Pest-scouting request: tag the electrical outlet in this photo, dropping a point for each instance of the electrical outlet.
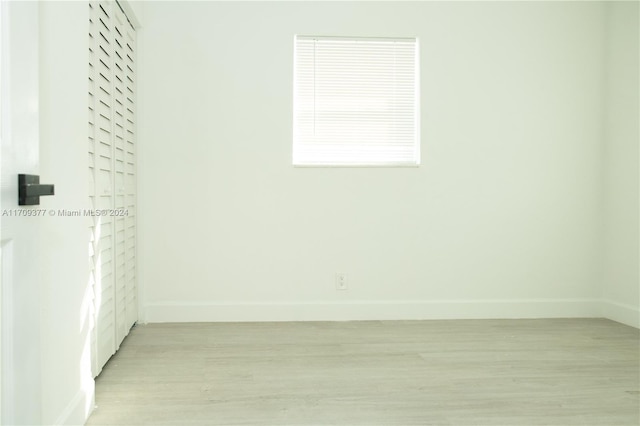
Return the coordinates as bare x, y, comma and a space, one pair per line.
341, 281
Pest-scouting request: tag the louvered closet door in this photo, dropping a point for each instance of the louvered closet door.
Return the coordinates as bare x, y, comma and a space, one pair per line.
131, 290
101, 96
119, 202
112, 173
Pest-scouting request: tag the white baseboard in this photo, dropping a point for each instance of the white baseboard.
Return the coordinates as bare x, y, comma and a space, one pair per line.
75, 412
370, 310
621, 312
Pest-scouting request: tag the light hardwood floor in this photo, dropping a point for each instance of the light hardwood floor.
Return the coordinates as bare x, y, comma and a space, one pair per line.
487, 372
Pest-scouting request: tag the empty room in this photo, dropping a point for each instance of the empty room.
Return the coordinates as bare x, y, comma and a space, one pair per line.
320, 213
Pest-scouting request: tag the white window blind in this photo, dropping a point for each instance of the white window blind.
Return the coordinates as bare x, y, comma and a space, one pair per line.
356, 102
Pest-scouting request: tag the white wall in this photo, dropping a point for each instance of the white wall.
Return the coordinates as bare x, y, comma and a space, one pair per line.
621, 272
67, 384
21, 259
502, 219
44, 263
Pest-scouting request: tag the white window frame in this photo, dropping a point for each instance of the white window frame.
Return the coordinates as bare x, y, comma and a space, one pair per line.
363, 147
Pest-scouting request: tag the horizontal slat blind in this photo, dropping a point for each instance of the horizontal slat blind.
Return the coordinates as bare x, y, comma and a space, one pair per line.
356, 101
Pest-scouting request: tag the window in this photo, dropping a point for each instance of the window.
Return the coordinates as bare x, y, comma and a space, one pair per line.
356, 102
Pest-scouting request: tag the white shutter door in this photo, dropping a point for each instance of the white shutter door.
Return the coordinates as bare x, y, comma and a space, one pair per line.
104, 302
124, 185
119, 202
93, 129
131, 297
93, 244
110, 151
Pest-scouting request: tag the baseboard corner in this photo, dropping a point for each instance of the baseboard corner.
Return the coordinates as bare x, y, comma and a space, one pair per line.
621, 312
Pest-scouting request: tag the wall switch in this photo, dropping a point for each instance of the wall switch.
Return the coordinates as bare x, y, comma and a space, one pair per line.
341, 281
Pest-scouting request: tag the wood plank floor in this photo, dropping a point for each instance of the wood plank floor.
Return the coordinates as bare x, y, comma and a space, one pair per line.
487, 372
